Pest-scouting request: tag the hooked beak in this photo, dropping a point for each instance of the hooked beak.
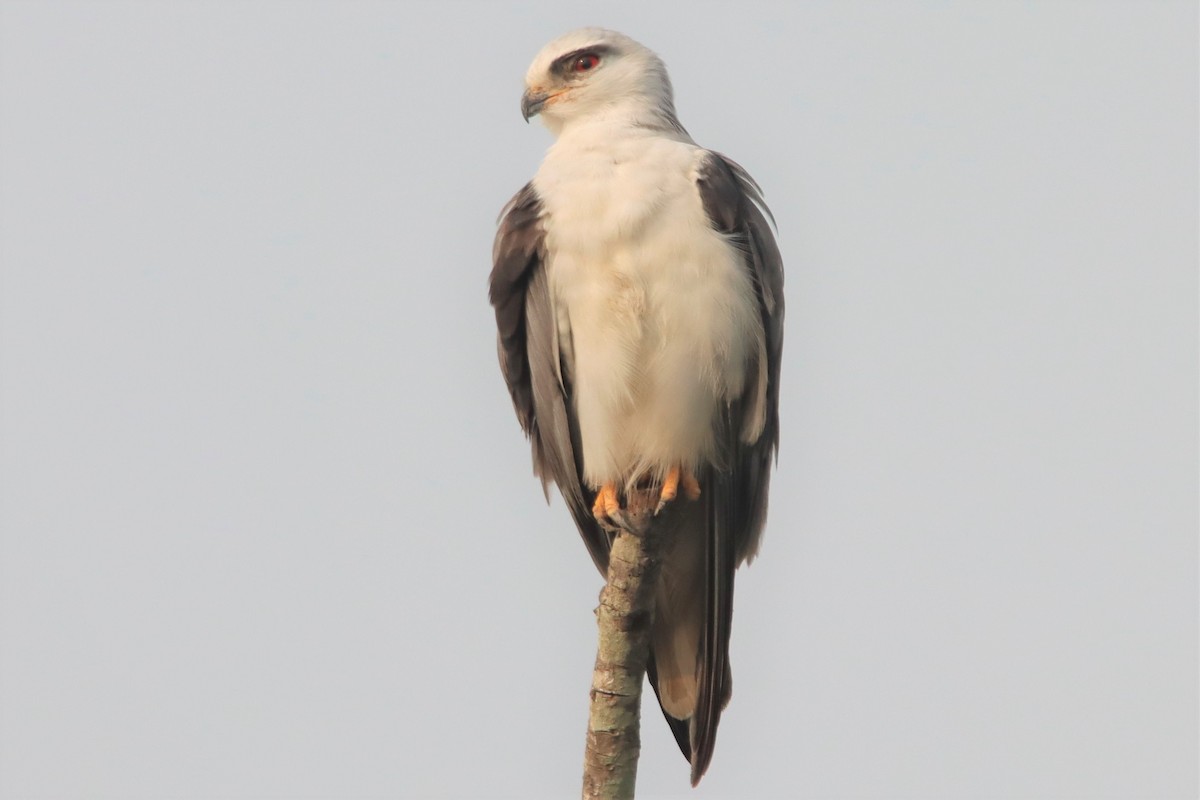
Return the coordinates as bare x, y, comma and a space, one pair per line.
532, 102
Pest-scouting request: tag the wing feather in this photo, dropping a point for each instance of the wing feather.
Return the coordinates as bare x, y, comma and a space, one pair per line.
530, 361
734, 204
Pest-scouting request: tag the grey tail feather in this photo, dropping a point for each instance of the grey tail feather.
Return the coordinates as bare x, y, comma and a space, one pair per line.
679, 727
720, 560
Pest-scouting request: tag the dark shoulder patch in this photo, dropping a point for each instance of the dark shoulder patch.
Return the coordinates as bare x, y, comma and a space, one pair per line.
721, 193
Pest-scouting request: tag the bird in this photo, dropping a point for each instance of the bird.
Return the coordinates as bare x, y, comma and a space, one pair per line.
638, 292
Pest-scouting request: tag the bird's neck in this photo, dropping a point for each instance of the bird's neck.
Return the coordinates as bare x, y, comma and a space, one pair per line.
618, 120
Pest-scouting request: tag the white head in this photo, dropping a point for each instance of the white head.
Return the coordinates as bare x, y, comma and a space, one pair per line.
592, 73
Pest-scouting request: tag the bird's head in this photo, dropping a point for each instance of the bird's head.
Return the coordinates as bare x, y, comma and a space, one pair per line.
591, 73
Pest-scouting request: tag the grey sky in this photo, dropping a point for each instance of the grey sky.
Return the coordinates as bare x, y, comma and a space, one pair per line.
267, 524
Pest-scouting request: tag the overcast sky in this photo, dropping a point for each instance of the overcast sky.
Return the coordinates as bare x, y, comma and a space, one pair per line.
267, 522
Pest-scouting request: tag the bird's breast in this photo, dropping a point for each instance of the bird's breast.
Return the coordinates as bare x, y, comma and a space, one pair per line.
655, 309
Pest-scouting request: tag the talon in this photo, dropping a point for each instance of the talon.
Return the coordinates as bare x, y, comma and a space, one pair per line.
674, 479
607, 506
670, 487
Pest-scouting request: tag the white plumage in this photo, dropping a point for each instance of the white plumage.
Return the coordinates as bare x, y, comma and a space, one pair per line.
660, 302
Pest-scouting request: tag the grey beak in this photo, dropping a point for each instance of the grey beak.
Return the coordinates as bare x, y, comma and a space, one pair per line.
532, 102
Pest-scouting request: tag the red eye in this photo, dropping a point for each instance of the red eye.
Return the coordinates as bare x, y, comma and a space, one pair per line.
585, 62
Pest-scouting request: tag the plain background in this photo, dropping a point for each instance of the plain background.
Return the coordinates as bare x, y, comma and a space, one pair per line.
268, 524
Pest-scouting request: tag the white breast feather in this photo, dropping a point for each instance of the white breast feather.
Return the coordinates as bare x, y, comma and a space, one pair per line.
656, 310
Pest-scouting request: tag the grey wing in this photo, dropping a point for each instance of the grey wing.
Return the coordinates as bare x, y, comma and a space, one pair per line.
735, 502
734, 204
519, 291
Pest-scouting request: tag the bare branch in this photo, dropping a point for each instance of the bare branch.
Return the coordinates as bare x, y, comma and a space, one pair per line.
625, 617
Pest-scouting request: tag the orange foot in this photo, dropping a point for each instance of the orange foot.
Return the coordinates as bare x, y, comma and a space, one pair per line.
677, 477
607, 506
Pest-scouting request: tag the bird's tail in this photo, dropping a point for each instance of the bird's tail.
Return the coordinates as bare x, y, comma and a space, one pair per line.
689, 663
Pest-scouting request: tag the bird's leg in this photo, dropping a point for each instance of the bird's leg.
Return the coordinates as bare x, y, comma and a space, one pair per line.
607, 506
676, 478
